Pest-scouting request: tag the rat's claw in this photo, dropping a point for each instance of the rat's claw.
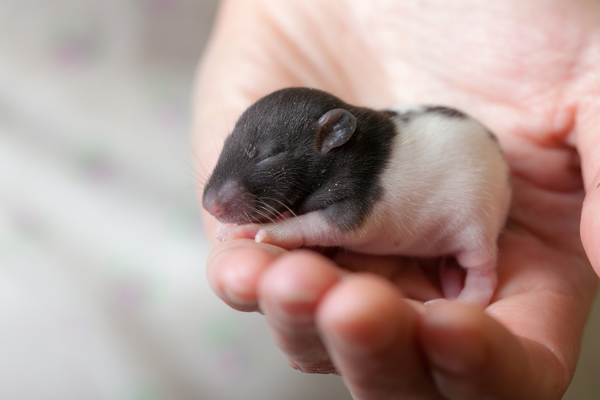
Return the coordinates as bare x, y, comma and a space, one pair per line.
223, 227
260, 236
238, 232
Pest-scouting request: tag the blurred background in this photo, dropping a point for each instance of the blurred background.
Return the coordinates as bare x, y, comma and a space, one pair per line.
103, 292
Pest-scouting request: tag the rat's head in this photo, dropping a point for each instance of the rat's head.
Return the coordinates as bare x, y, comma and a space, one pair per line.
275, 155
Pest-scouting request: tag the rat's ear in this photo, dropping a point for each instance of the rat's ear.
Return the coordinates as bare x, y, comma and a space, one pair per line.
334, 129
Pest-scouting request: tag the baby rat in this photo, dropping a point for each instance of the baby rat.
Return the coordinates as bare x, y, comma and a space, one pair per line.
303, 168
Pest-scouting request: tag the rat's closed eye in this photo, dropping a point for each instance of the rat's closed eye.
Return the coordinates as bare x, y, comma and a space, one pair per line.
255, 152
271, 158
268, 155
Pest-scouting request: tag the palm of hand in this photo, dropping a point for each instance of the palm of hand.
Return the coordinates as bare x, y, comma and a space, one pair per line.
525, 72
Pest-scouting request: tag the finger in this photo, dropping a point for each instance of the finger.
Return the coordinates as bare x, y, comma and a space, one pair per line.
588, 145
413, 278
369, 331
473, 357
590, 225
289, 295
235, 268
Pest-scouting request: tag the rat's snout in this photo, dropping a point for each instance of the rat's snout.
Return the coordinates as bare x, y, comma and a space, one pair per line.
227, 203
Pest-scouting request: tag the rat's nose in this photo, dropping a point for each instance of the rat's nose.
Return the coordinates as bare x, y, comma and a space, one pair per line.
226, 203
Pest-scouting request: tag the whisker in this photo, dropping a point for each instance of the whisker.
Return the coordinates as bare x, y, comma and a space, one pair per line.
271, 208
253, 197
275, 211
202, 167
266, 216
249, 218
283, 204
258, 221
199, 180
269, 212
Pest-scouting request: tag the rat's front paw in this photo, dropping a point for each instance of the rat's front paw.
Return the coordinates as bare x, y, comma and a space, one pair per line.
248, 231
266, 233
259, 233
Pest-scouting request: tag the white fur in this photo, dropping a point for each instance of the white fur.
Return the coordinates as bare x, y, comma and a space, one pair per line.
446, 191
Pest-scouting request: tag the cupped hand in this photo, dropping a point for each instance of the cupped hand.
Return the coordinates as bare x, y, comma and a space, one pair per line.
527, 70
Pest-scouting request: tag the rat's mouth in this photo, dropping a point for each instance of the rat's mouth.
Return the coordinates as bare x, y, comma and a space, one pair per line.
268, 210
264, 218
234, 204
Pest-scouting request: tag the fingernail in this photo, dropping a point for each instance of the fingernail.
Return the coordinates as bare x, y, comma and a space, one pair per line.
434, 302
233, 296
237, 285
452, 351
365, 330
292, 302
291, 314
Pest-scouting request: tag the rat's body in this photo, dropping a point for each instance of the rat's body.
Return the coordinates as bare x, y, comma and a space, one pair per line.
412, 181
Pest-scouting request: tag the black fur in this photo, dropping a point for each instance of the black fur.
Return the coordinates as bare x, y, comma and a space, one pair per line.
453, 113
273, 153
447, 111
491, 135
404, 117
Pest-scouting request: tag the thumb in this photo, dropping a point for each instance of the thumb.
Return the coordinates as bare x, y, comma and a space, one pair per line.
590, 224
588, 144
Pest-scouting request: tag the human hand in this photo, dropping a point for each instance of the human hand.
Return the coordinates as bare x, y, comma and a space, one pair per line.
526, 70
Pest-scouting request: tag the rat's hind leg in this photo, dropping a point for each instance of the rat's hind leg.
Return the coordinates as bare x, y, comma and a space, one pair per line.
481, 278
480, 285
451, 278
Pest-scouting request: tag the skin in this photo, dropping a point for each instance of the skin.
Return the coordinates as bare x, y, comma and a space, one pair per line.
527, 70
